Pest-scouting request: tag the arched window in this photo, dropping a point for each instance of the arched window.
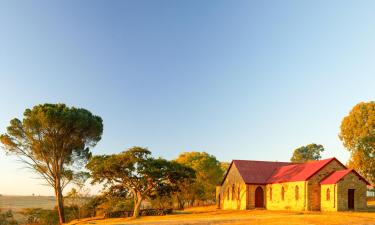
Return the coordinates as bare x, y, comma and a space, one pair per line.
238, 193
296, 192
233, 192
328, 193
282, 193
270, 194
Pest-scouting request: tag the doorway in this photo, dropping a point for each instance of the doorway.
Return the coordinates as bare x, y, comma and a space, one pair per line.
350, 198
259, 197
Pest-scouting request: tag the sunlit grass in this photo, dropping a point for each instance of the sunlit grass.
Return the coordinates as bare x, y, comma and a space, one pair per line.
210, 215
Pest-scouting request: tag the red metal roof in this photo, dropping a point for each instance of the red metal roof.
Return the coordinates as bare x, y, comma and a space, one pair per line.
265, 172
256, 172
336, 176
298, 172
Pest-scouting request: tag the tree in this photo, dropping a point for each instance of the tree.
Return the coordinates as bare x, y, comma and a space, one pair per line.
224, 167
139, 173
209, 174
357, 133
307, 153
52, 140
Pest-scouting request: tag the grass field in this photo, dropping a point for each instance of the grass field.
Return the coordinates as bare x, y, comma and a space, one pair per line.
17, 203
210, 215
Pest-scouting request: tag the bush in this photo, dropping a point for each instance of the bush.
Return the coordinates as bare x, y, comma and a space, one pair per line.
7, 218
46, 216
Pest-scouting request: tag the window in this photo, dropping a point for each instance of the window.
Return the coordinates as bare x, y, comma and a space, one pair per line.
270, 194
238, 193
233, 192
282, 193
296, 192
228, 194
328, 193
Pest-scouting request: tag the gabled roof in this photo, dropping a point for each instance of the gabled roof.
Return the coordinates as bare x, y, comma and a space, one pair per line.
265, 172
298, 172
256, 172
336, 176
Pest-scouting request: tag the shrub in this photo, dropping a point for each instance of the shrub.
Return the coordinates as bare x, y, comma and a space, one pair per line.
7, 218
46, 216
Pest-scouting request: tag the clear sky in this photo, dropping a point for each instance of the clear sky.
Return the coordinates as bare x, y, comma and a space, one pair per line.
237, 79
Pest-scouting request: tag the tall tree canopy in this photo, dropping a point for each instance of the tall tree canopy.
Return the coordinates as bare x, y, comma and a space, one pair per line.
307, 153
209, 174
139, 173
358, 136
52, 139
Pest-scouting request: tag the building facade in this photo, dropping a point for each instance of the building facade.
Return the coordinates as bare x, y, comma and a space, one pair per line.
325, 185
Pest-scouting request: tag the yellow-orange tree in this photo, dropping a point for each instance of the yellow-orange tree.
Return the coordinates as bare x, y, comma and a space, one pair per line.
358, 136
209, 174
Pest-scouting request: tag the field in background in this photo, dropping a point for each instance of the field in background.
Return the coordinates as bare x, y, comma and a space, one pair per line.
17, 203
210, 215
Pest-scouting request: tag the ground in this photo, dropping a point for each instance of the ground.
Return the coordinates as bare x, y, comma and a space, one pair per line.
210, 215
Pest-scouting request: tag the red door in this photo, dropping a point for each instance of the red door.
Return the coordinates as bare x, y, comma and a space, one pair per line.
259, 198
351, 199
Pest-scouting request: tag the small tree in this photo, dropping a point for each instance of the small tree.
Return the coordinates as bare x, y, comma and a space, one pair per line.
209, 174
50, 140
307, 153
357, 133
135, 170
79, 195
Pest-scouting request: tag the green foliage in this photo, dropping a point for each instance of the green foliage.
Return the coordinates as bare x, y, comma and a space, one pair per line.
46, 216
79, 195
91, 206
52, 139
117, 198
139, 173
307, 153
7, 218
224, 167
357, 133
209, 174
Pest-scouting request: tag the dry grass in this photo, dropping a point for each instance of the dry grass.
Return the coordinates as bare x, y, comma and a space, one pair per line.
210, 215
18, 203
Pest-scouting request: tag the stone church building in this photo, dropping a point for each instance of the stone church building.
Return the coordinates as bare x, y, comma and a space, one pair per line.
325, 185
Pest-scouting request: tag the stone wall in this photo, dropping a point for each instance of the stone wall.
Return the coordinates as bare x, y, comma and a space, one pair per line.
351, 181
313, 190
293, 199
233, 191
328, 201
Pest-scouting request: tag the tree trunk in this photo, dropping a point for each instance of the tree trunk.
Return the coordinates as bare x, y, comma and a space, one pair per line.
137, 203
180, 203
59, 200
137, 208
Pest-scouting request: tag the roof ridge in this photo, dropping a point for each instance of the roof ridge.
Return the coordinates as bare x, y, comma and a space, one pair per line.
245, 160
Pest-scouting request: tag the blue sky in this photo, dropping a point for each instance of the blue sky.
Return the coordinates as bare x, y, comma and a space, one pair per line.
237, 79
